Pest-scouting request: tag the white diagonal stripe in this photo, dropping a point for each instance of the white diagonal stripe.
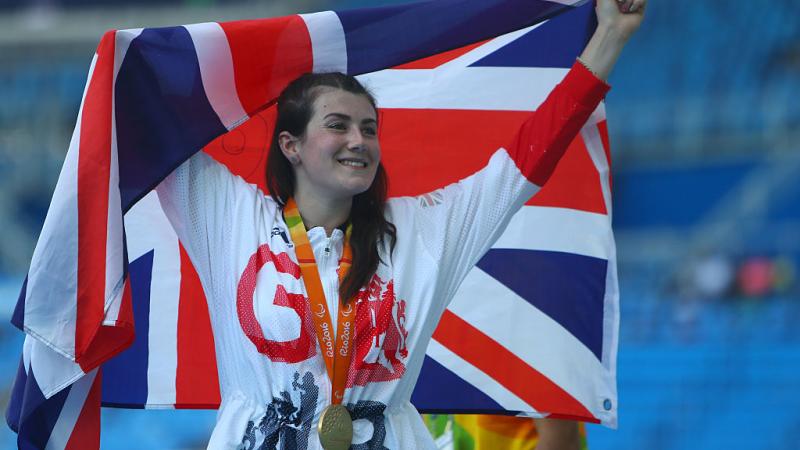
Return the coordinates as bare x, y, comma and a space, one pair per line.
476, 377
558, 230
216, 70
478, 53
454, 85
472, 88
53, 372
533, 336
70, 412
327, 41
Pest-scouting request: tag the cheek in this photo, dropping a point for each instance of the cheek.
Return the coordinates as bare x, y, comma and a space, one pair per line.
320, 151
376, 153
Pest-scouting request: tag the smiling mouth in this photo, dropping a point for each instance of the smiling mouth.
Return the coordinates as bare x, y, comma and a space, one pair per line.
357, 163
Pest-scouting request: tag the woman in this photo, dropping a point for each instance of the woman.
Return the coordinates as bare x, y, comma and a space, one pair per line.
262, 259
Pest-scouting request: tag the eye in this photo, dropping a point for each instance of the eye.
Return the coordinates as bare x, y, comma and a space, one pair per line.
336, 125
369, 131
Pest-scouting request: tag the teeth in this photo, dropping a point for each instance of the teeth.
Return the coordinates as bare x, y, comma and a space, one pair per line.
348, 162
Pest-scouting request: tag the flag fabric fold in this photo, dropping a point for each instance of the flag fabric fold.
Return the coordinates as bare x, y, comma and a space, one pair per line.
70, 419
453, 79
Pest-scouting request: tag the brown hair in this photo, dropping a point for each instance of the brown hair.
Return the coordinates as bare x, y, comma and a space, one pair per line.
370, 227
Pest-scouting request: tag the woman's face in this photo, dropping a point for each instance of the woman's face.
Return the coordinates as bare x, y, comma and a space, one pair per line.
339, 154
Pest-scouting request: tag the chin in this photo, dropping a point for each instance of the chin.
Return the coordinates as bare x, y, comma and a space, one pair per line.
358, 185
360, 189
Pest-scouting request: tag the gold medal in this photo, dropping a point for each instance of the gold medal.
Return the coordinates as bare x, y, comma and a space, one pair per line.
335, 428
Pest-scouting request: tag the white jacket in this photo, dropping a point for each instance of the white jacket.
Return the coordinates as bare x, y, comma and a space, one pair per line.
273, 380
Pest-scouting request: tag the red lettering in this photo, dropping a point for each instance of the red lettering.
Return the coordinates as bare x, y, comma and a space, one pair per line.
380, 335
296, 350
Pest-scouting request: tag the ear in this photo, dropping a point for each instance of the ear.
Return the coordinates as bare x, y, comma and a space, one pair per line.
290, 146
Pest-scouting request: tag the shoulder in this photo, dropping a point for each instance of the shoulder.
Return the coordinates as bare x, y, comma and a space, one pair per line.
402, 206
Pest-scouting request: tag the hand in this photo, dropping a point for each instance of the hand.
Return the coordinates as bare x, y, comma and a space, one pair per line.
616, 22
622, 17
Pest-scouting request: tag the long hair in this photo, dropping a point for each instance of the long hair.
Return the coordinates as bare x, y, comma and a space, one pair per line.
370, 227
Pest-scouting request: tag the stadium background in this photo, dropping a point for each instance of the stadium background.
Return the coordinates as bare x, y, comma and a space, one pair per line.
705, 131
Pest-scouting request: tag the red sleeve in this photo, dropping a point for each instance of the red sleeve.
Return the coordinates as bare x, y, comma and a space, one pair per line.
545, 136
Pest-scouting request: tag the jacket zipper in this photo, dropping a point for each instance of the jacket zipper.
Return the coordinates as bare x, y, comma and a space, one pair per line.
334, 304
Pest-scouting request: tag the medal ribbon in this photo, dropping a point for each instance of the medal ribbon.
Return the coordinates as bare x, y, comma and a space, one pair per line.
337, 358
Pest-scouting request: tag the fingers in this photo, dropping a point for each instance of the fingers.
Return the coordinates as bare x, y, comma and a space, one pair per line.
630, 6
634, 6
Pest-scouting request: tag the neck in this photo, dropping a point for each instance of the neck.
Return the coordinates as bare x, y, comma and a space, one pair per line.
322, 212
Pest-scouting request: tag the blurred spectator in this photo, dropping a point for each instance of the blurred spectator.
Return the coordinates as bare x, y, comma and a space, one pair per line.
712, 276
755, 277
762, 276
708, 276
784, 272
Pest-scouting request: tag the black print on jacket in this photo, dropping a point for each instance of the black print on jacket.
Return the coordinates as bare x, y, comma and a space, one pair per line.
372, 411
285, 424
278, 232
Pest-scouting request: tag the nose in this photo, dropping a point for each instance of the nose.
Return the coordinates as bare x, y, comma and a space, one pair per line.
358, 148
356, 141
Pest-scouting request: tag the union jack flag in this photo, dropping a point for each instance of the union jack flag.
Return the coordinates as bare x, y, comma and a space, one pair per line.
533, 330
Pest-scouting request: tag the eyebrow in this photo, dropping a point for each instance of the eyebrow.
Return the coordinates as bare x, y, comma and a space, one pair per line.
346, 117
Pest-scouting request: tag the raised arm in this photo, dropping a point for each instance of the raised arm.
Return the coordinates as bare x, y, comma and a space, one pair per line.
616, 22
460, 222
545, 136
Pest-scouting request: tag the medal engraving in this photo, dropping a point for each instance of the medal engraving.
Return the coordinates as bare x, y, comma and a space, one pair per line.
335, 428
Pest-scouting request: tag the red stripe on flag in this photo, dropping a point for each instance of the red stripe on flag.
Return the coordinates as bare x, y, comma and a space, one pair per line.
424, 150
575, 183
244, 149
112, 339
125, 316
434, 61
86, 432
267, 55
506, 368
93, 177
196, 379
